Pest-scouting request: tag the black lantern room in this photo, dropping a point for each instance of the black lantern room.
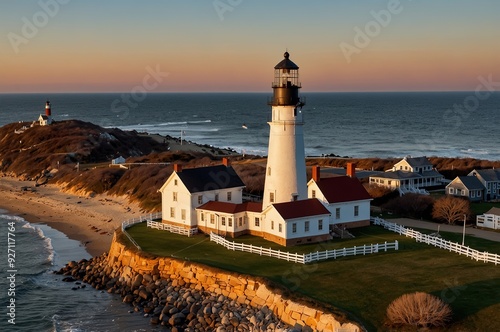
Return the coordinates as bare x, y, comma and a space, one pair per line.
286, 84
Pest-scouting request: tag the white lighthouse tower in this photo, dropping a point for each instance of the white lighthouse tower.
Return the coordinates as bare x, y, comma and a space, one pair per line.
286, 167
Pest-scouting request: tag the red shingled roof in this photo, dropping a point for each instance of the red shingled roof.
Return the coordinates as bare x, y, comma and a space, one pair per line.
339, 189
227, 207
299, 209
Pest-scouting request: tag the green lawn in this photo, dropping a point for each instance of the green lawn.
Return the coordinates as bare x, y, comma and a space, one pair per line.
363, 286
482, 207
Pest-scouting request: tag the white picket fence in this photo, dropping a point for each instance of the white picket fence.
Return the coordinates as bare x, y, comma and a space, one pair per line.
127, 223
354, 251
438, 242
303, 258
172, 228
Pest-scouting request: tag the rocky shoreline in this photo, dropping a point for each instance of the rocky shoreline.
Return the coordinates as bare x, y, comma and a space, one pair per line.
173, 303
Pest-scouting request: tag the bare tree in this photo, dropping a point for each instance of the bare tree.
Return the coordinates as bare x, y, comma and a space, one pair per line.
450, 209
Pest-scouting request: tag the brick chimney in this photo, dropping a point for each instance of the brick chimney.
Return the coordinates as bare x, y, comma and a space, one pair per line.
226, 162
177, 168
351, 170
316, 173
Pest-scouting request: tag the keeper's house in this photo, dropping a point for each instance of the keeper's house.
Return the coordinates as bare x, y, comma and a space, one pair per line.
185, 190
344, 196
210, 199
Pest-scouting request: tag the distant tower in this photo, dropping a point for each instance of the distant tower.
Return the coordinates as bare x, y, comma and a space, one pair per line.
286, 167
47, 109
46, 119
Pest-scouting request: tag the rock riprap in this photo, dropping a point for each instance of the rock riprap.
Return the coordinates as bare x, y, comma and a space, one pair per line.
188, 296
185, 308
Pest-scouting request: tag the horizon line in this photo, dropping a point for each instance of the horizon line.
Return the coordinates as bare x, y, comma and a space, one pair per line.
234, 92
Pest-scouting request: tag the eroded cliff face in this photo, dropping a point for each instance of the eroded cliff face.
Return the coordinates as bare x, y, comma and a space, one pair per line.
191, 295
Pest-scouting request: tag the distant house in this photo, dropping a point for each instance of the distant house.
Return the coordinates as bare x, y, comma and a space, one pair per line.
490, 178
44, 120
344, 196
466, 186
410, 175
490, 219
118, 160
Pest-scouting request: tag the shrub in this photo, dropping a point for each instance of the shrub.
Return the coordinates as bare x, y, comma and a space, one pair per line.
420, 310
411, 205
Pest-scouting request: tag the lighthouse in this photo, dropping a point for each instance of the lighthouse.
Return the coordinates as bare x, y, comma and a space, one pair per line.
47, 109
286, 168
46, 119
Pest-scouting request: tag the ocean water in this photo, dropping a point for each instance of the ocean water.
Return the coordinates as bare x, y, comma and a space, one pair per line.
42, 301
447, 124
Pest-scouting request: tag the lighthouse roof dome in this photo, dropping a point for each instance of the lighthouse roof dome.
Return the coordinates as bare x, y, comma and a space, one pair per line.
286, 63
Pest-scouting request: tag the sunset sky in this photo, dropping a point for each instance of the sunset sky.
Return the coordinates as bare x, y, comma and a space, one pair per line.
233, 45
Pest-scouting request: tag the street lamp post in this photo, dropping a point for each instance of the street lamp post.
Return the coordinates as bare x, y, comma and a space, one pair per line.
463, 236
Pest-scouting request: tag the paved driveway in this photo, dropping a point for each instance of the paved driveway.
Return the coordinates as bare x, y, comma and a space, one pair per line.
412, 223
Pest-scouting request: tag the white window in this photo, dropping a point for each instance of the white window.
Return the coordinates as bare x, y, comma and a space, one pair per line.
202, 215
306, 226
230, 222
257, 222
320, 225
223, 221
478, 194
280, 228
294, 227
183, 214
462, 192
175, 182
174, 196
200, 199
271, 197
451, 191
313, 194
229, 196
212, 219
472, 194
172, 212
272, 224
356, 210
240, 221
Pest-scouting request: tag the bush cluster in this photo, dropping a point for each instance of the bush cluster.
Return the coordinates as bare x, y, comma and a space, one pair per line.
419, 310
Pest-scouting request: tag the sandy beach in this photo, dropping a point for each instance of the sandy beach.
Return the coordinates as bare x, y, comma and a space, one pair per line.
90, 220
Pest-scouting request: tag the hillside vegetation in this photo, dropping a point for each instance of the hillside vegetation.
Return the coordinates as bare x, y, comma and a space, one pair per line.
76, 155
